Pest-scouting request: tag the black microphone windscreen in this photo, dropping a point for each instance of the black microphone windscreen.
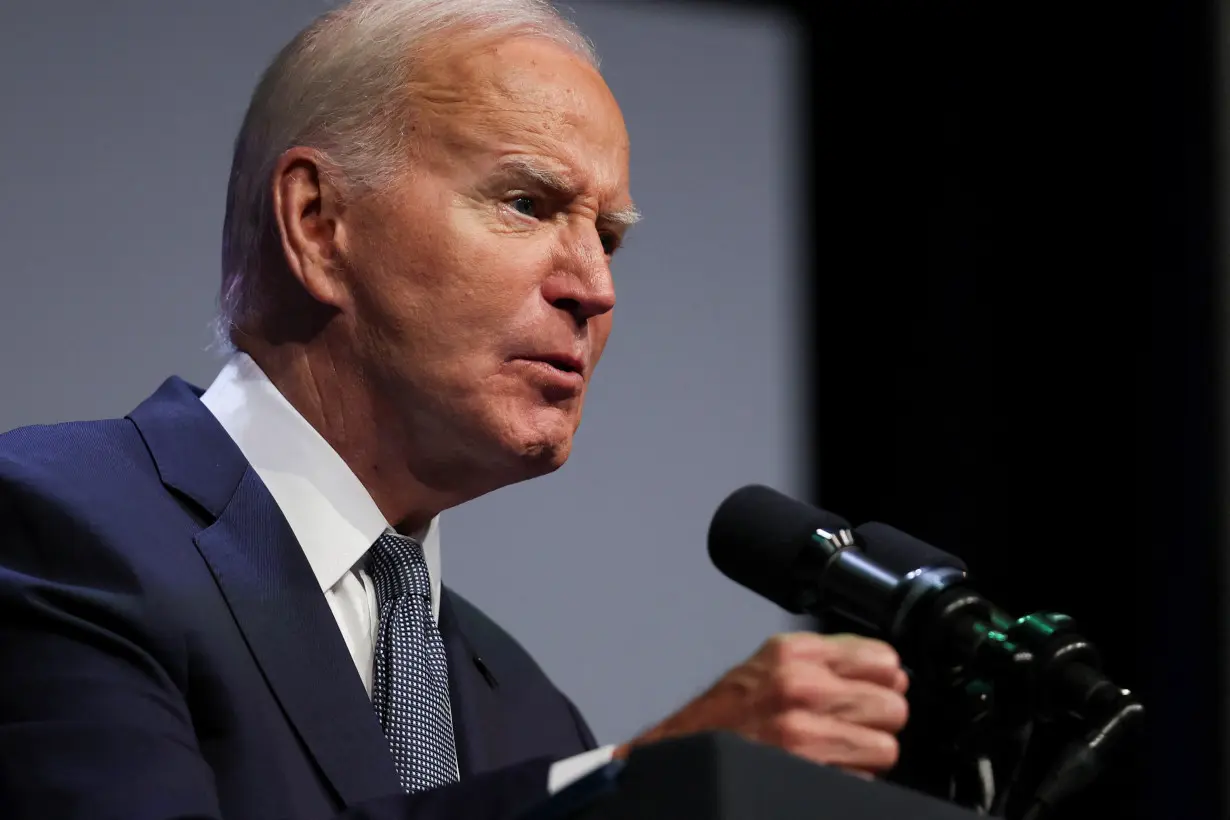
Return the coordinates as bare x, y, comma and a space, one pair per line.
758, 538
901, 552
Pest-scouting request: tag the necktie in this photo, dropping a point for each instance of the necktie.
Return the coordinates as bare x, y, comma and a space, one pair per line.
410, 686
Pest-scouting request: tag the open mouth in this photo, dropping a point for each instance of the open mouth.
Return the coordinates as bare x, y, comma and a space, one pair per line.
565, 364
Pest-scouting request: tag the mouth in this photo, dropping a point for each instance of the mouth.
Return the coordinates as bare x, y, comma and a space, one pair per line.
563, 362
561, 376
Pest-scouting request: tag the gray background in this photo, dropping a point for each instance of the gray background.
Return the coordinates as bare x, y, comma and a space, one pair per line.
117, 127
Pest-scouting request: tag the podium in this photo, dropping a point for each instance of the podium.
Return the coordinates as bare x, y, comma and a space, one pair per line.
720, 776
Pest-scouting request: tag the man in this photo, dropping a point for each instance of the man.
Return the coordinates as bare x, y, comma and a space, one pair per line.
228, 604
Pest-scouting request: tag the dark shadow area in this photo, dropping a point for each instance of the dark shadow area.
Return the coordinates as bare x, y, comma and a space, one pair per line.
1013, 329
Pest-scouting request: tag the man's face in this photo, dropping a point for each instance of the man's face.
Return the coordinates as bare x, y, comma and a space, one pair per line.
481, 283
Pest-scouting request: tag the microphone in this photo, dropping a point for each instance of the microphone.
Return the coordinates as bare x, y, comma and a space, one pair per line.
902, 553
958, 625
807, 559
798, 556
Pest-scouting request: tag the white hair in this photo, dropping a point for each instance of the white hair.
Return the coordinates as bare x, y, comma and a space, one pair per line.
340, 87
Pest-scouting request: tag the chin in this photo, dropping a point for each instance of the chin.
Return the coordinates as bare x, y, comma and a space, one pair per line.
544, 446
544, 458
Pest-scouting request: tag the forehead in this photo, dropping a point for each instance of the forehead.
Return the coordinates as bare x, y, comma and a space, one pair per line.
522, 95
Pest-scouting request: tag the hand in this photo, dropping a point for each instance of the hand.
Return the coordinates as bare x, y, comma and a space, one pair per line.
833, 699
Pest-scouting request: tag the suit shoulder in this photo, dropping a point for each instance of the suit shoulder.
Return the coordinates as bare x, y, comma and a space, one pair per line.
75, 450
75, 475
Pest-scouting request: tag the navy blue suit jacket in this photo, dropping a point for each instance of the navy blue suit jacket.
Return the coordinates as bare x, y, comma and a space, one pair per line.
165, 650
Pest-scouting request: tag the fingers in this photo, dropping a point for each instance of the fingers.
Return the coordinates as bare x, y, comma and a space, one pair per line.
828, 740
852, 656
848, 656
868, 705
837, 700
799, 686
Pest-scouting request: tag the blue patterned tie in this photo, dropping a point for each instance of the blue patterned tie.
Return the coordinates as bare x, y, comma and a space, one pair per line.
410, 690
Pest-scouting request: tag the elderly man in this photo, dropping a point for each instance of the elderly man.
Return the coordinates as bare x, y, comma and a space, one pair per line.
228, 603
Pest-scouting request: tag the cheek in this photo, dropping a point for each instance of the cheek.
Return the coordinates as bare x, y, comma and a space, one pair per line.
448, 283
436, 278
398, 264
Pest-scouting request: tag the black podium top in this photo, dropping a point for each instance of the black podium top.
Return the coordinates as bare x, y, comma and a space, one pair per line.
719, 776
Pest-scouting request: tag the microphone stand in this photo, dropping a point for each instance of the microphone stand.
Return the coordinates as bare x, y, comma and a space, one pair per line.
1083, 761
973, 722
1070, 686
1030, 672
1001, 680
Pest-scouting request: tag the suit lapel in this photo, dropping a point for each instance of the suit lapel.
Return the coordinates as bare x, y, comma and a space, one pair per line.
473, 692
292, 634
275, 599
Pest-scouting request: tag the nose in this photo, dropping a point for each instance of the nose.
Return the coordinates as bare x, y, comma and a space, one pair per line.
580, 283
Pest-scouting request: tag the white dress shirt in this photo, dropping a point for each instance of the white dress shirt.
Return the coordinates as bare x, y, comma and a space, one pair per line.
331, 514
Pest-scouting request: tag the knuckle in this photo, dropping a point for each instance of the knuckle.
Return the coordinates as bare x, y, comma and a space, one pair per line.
885, 651
771, 651
802, 685
897, 710
876, 650
799, 695
887, 750
790, 730
781, 648
843, 641
877, 645
777, 680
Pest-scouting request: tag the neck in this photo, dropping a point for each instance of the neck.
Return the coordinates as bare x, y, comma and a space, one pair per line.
329, 391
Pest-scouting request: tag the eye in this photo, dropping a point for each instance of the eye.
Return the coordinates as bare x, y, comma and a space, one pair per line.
610, 242
525, 206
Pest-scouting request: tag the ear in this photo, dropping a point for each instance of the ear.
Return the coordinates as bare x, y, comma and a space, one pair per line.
308, 209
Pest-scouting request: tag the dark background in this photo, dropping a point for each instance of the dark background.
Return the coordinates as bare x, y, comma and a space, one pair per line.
1013, 317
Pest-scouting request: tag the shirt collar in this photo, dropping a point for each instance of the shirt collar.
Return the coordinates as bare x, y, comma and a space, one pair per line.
329, 510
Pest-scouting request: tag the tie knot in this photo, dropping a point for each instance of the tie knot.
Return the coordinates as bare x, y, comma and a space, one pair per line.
398, 568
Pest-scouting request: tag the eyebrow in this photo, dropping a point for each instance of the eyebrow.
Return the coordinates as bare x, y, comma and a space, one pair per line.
624, 217
548, 178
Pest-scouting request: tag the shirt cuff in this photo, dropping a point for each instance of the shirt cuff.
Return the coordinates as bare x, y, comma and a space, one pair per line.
564, 772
